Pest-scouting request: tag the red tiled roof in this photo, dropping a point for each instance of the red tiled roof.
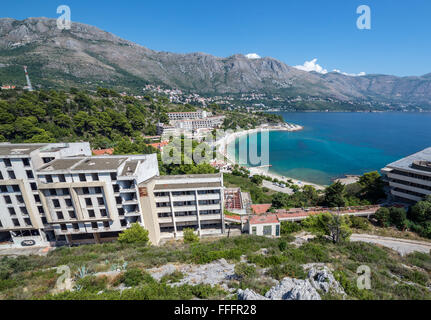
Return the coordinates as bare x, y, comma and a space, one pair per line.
101, 152
260, 208
272, 218
159, 145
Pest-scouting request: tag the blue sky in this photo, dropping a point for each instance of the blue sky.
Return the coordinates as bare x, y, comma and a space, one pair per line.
293, 31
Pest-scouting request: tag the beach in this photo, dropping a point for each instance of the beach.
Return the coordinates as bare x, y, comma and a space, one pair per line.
224, 142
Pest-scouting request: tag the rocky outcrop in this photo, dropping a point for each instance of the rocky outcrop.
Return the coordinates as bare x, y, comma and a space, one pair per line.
319, 279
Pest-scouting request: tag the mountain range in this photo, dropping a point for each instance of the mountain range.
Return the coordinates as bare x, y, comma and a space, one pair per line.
86, 56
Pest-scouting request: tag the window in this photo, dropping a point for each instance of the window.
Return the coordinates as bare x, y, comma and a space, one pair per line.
100, 201
88, 202
68, 202
95, 177
116, 187
29, 174
63, 227
97, 190
26, 162
62, 178
52, 192
72, 214
1, 176
91, 214
37, 198
20, 199
7, 199
56, 203
24, 210
12, 211
48, 178
103, 212
40, 208
44, 221
65, 191
3, 188
85, 190
106, 224
33, 186
16, 188
47, 159
124, 223
7, 162
75, 226
118, 200
267, 230
82, 177
11, 175
60, 215
113, 176
254, 230
94, 225
16, 222
120, 211
277, 230
27, 221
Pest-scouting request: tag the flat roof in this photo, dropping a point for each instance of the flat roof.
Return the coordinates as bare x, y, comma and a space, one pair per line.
190, 176
406, 163
130, 167
264, 219
8, 149
84, 164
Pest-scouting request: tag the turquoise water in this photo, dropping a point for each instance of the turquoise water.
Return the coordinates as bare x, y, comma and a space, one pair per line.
334, 144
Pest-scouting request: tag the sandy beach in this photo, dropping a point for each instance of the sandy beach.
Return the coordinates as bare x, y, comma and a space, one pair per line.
224, 142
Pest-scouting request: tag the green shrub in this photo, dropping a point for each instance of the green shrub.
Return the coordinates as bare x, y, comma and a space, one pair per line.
190, 236
92, 283
175, 276
359, 223
244, 270
135, 234
133, 277
383, 217
288, 227
287, 270
420, 259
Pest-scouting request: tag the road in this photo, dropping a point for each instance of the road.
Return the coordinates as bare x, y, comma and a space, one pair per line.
402, 246
270, 185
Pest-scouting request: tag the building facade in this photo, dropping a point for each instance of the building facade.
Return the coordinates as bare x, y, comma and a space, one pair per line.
179, 202
410, 177
189, 115
59, 193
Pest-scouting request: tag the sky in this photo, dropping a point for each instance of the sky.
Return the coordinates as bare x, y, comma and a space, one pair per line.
293, 31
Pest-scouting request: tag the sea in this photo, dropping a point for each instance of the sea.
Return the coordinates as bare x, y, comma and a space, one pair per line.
335, 144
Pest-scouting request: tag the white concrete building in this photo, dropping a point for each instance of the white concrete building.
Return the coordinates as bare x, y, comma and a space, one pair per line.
264, 225
200, 114
59, 193
410, 177
179, 202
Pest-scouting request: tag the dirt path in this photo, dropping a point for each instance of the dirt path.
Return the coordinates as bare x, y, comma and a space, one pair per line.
402, 246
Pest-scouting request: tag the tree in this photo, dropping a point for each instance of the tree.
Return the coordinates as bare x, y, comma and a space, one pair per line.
279, 200
372, 186
383, 217
421, 211
190, 236
335, 226
135, 234
398, 217
257, 179
334, 195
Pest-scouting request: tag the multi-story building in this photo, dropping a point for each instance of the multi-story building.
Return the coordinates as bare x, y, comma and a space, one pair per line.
59, 193
410, 177
195, 124
200, 114
178, 202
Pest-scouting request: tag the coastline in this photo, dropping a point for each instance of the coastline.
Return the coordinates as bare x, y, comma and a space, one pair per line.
224, 142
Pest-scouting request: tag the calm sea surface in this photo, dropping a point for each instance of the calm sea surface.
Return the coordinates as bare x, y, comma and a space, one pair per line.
334, 144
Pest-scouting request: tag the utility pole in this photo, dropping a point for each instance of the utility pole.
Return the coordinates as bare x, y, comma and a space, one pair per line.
30, 88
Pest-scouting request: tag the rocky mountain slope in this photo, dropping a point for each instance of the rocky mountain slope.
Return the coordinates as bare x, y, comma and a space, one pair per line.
88, 56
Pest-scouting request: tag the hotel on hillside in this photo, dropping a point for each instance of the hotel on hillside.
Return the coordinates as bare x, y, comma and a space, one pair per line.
60, 194
410, 177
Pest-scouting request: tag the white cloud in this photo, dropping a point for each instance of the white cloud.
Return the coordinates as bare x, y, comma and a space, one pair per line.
312, 65
252, 56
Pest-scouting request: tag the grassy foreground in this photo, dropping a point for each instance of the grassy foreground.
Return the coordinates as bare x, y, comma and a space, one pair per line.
392, 276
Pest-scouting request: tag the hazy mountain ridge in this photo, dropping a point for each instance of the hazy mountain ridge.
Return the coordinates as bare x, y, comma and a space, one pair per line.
87, 54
